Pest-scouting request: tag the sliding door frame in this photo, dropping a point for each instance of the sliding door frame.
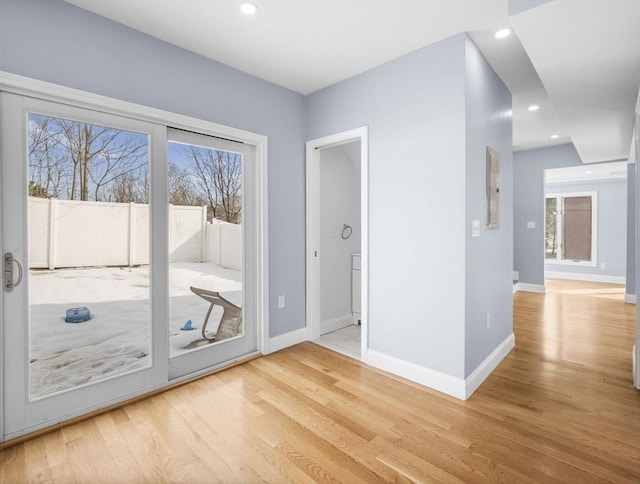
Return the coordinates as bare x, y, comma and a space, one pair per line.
37, 89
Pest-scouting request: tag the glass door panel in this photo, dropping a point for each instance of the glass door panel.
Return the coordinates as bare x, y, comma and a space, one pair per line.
76, 219
207, 310
88, 238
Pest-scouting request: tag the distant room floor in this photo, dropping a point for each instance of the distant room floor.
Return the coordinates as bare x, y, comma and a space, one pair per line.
585, 288
345, 341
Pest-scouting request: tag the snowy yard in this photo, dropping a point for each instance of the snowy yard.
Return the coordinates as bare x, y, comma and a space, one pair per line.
117, 338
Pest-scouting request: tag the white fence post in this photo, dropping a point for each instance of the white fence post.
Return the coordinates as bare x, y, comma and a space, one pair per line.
132, 232
52, 234
204, 233
170, 235
219, 243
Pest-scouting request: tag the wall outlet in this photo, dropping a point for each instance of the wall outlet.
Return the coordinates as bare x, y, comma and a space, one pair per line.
531, 224
280, 302
603, 265
487, 321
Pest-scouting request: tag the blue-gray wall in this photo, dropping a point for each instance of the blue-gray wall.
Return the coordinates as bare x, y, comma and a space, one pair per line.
489, 258
414, 108
431, 114
428, 127
54, 41
528, 205
631, 228
612, 226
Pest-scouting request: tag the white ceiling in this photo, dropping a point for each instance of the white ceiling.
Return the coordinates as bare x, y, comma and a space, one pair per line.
579, 60
616, 170
587, 54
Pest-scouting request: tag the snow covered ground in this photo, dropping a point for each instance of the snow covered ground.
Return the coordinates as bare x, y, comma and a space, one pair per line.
117, 338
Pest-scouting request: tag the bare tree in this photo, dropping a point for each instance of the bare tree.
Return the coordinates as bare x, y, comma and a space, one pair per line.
218, 177
182, 190
82, 161
86, 160
130, 187
47, 162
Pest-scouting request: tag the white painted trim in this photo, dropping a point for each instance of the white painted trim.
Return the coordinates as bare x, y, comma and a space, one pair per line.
285, 340
564, 262
526, 287
262, 290
490, 363
456, 387
312, 233
636, 143
424, 376
2, 293
630, 298
576, 276
634, 365
53, 92
335, 324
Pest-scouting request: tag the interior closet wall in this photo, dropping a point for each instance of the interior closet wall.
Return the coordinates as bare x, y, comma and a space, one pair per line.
340, 206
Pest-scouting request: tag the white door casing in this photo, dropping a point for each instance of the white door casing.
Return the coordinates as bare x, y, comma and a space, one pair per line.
313, 223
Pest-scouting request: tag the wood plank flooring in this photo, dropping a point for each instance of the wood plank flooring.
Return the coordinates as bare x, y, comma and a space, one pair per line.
561, 408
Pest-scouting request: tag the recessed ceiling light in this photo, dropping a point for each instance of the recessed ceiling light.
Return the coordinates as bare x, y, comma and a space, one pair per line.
502, 33
588, 172
555, 136
534, 107
248, 8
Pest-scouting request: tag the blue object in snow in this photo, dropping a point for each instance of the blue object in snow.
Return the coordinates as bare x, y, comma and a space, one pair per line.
77, 315
187, 326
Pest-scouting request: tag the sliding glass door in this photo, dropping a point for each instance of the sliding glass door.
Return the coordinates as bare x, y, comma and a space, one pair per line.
211, 266
130, 258
76, 218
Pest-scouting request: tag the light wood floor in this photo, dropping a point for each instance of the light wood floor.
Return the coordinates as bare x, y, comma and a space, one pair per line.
560, 408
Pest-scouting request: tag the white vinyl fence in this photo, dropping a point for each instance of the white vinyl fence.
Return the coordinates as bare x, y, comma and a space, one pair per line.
65, 233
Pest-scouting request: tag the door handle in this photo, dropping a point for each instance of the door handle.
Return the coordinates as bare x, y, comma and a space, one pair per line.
9, 285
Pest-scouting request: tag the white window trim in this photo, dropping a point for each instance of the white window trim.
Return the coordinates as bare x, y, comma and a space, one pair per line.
594, 229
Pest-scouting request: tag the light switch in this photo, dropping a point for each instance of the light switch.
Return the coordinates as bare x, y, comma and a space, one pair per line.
475, 228
531, 225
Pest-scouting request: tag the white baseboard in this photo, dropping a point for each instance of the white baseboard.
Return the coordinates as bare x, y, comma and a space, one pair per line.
630, 298
578, 276
424, 376
285, 340
335, 323
484, 369
636, 374
455, 387
525, 286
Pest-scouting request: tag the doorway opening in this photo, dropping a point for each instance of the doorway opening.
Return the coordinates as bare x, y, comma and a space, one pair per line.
337, 207
585, 223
